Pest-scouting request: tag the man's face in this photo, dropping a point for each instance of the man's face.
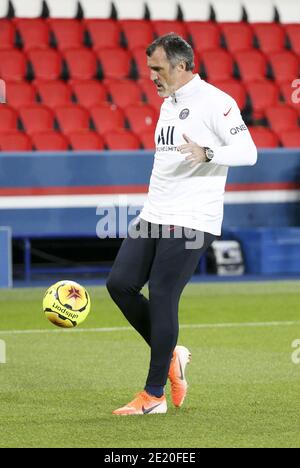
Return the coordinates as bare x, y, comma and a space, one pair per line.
164, 76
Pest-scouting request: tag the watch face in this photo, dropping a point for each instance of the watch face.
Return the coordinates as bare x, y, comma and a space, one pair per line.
209, 153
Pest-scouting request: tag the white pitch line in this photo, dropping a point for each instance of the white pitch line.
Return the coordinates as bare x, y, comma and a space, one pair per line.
183, 326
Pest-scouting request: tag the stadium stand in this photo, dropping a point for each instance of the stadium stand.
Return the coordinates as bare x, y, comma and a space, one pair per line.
89, 57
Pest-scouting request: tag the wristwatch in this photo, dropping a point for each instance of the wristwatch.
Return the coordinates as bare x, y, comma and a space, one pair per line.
209, 154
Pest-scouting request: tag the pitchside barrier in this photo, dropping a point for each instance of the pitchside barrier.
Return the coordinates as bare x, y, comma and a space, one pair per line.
69, 194
5, 258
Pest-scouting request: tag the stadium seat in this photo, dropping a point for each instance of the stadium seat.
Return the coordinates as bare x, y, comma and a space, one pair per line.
116, 63
258, 11
285, 65
121, 140
150, 93
50, 141
34, 33
165, 27
82, 63
27, 9
15, 141
20, 94
137, 33
107, 117
46, 64
72, 118
7, 34
270, 36
281, 118
264, 137
12, 65
289, 11
103, 33
4, 7
290, 138
147, 139
218, 64
205, 36
140, 59
163, 10
141, 117
193, 10
36, 118
68, 33
263, 94
8, 119
293, 32
227, 10
96, 9
252, 65
86, 140
291, 94
130, 9
235, 89
124, 92
238, 36
89, 93
62, 9
54, 93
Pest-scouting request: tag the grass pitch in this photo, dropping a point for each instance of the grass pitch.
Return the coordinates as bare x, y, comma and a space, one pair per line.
59, 387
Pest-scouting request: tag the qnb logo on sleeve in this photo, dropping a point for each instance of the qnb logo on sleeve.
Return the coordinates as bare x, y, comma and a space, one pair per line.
165, 141
236, 130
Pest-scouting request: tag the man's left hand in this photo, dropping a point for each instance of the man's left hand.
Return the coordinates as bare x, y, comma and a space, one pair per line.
196, 153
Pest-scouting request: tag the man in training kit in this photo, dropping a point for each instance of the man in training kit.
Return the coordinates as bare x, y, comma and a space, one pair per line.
199, 134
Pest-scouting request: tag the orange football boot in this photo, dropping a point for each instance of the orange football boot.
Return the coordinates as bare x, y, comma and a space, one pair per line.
181, 357
144, 404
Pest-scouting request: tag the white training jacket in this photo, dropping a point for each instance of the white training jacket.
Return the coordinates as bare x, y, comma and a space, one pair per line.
194, 197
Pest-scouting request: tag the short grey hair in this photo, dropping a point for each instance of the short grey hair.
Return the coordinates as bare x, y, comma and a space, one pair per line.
176, 48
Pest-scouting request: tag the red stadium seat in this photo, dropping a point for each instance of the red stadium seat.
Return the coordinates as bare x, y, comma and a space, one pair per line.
50, 141
218, 64
89, 93
82, 63
7, 34
263, 94
107, 117
116, 63
281, 118
235, 89
103, 32
20, 94
238, 36
86, 140
53, 93
68, 33
123, 92
205, 35
293, 32
47, 64
150, 93
252, 65
36, 118
8, 119
121, 140
285, 65
34, 33
140, 58
271, 36
15, 141
263, 137
138, 33
72, 118
12, 65
162, 27
290, 138
291, 94
141, 117
147, 139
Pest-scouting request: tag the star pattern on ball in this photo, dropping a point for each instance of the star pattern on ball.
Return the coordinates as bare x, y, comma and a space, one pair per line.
74, 293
